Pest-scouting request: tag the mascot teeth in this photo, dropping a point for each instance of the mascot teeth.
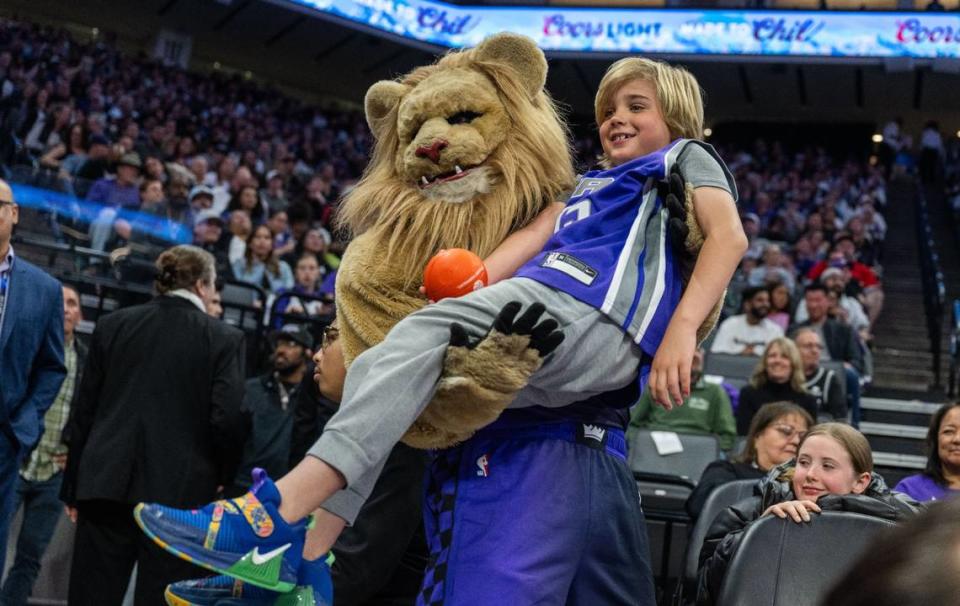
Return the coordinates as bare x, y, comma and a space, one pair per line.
453, 175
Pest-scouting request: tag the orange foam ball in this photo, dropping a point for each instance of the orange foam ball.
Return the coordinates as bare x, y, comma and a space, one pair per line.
453, 272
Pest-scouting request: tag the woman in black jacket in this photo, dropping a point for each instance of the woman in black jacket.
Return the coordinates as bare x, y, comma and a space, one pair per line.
833, 471
775, 434
777, 378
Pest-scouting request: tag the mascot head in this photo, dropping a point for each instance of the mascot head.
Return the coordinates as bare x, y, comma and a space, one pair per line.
467, 150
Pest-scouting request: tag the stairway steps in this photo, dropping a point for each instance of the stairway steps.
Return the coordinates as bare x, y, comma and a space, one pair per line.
893, 430
891, 459
884, 443
901, 346
915, 381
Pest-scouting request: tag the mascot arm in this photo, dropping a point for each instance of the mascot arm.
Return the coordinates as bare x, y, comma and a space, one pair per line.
522, 245
688, 237
481, 377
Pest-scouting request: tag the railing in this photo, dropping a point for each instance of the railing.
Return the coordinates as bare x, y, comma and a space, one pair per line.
934, 289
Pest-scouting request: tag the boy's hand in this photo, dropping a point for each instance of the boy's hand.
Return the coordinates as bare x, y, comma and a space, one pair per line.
669, 380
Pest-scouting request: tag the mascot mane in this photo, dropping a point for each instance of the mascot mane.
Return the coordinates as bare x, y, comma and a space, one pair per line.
532, 167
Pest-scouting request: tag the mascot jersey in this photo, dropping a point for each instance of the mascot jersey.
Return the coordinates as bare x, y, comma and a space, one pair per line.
611, 247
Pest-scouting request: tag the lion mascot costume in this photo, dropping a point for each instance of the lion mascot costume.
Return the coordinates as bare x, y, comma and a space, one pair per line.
505, 158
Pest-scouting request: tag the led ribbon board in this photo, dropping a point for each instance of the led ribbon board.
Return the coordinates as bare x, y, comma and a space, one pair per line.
698, 32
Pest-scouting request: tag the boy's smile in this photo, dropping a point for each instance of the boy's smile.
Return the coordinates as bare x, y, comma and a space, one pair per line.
633, 126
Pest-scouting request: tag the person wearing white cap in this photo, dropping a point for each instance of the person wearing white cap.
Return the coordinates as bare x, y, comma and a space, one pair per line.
201, 197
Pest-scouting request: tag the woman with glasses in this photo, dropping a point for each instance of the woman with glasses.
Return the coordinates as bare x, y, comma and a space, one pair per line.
774, 434
777, 378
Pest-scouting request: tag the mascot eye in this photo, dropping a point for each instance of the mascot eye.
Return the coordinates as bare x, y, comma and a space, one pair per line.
463, 117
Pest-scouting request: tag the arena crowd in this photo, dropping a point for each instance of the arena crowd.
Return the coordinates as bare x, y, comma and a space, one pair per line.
164, 156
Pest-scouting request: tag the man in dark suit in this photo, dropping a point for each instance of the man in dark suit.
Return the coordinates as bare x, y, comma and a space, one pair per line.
31, 357
159, 418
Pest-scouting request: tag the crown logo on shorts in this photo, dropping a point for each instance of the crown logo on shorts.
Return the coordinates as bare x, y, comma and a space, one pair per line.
594, 432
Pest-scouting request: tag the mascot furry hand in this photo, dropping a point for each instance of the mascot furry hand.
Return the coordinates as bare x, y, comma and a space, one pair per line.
468, 150
486, 373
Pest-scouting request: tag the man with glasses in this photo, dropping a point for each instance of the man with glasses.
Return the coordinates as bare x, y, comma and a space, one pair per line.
380, 559
840, 343
31, 357
821, 383
38, 488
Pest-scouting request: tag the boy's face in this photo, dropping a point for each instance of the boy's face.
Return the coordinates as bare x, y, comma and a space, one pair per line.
633, 125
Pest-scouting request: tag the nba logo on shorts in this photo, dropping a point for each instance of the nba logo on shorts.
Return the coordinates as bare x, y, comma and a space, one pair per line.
483, 466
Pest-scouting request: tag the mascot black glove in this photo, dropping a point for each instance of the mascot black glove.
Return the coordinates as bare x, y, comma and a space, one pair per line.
544, 336
481, 376
673, 191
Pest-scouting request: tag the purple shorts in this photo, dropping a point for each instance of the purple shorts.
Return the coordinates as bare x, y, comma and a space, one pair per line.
541, 514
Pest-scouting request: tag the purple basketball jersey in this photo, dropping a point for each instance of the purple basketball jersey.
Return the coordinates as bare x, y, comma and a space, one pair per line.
611, 247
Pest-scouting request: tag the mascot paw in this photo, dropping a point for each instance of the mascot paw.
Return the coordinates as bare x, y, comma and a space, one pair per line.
686, 236
481, 376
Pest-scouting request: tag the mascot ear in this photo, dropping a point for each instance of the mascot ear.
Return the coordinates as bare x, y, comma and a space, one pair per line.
520, 53
382, 98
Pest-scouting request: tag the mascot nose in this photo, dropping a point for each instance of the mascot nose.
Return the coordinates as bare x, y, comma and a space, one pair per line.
432, 151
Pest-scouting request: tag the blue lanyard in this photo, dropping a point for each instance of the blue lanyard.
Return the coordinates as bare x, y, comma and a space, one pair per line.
4, 287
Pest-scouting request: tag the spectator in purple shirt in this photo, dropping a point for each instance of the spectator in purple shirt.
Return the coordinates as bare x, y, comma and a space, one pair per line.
941, 478
122, 191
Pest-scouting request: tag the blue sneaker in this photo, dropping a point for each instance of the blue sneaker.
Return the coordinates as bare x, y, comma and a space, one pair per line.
314, 588
244, 538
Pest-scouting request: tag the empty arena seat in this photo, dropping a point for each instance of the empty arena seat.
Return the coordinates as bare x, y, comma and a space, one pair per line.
780, 562
665, 481
736, 370
243, 305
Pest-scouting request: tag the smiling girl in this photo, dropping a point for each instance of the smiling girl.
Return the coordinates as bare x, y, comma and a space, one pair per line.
833, 471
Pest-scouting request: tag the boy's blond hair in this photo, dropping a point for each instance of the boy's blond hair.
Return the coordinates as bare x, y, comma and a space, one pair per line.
678, 93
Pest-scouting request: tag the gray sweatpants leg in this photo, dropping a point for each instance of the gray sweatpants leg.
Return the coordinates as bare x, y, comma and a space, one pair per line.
389, 385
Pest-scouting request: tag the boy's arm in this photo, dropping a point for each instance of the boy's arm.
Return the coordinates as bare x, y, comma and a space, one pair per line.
522, 245
723, 246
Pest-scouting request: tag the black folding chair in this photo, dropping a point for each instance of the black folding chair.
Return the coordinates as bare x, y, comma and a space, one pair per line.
723, 496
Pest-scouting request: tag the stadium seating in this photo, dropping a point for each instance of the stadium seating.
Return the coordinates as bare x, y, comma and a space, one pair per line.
735, 370
679, 469
781, 562
722, 497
